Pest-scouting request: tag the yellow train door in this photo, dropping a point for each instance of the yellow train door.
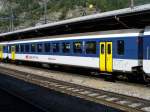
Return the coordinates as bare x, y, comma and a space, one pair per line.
1, 52
13, 52
105, 57
109, 56
102, 56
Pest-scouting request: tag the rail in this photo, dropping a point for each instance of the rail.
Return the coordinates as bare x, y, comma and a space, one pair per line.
117, 101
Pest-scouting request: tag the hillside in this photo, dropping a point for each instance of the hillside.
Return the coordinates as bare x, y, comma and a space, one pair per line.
26, 13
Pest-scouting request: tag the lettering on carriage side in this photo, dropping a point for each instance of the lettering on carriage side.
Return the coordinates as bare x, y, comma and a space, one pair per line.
27, 57
31, 57
51, 59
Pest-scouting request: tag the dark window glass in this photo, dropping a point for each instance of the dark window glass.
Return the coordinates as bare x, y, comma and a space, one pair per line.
91, 47
4, 48
21, 48
109, 49
17, 48
27, 48
55, 47
39, 47
77, 47
33, 47
102, 49
66, 47
120, 47
47, 47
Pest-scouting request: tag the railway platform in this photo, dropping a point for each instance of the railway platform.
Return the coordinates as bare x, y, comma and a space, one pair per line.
124, 97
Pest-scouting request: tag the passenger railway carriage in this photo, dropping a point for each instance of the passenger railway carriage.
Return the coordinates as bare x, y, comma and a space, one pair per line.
120, 50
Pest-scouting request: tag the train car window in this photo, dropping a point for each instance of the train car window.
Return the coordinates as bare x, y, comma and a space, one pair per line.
21, 48
66, 47
90, 47
4, 48
13, 48
39, 47
27, 47
17, 48
120, 47
55, 47
77, 47
109, 49
47, 47
33, 47
102, 49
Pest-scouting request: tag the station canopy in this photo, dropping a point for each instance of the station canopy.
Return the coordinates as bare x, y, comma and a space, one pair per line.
128, 18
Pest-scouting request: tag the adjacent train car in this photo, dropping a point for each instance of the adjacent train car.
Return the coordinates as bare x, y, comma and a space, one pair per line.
146, 52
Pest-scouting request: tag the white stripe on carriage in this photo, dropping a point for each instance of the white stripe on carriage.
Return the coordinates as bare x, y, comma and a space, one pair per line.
78, 37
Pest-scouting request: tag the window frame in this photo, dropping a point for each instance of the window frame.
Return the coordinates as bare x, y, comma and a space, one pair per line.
46, 46
17, 48
64, 48
33, 50
57, 47
88, 50
41, 47
22, 48
27, 46
78, 51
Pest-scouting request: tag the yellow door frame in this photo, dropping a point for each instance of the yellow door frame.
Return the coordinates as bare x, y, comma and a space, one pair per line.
13, 52
109, 60
105, 57
1, 52
102, 57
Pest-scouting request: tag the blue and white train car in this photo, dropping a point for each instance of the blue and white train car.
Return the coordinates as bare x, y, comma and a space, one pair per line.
106, 51
146, 51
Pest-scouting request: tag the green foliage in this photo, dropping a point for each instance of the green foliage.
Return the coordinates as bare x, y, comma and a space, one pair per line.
31, 11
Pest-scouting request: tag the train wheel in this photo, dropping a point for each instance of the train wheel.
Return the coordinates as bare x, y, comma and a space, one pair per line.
132, 77
146, 79
110, 77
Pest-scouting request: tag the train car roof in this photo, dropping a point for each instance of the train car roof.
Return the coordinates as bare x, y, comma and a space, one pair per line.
100, 34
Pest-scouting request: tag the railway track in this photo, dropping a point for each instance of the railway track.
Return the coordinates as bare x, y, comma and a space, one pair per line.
17, 102
118, 101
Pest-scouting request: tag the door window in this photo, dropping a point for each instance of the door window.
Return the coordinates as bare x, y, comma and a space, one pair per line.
109, 49
102, 49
